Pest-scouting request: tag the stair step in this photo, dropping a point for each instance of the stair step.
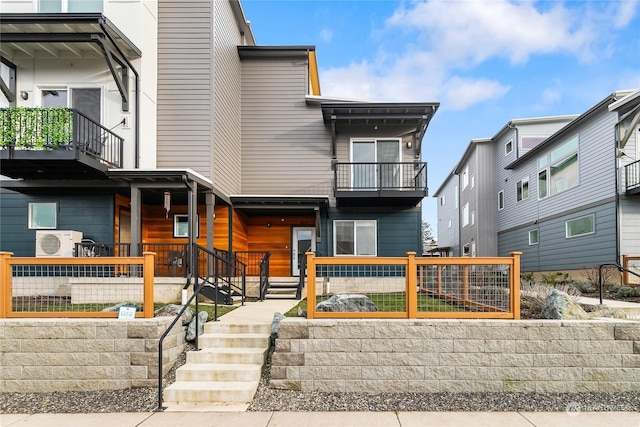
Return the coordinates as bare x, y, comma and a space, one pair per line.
211, 391
214, 340
228, 355
283, 285
219, 372
237, 328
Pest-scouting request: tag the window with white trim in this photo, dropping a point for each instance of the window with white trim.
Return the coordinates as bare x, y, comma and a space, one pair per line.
181, 225
465, 177
501, 200
473, 181
580, 226
473, 217
450, 225
558, 169
465, 215
355, 237
508, 147
533, 237
71, 6
522, 189
442, 200
43, 215
455, 197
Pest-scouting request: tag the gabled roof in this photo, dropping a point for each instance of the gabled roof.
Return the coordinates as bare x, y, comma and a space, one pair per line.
571, 127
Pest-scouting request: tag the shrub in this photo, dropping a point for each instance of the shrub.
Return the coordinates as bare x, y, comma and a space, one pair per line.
585, 287
591, 273
556, 278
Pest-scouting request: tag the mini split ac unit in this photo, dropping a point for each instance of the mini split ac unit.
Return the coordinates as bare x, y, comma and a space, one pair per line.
57, 243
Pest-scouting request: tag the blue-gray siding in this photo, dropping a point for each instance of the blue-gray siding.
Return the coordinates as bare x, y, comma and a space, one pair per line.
555, 251
398, 231
91, 214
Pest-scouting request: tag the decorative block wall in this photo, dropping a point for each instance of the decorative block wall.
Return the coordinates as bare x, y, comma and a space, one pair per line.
44, 355
456, 356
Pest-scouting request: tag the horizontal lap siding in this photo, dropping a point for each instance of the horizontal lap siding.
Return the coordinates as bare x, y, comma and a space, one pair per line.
227, 101
555, 251
286, 148
447, 236
184, 85
398, 232
92, 214
630, 226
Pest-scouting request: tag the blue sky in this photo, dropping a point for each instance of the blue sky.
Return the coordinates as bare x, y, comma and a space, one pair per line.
485, 61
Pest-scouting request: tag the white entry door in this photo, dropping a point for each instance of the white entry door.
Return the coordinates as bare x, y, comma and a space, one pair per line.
303, 240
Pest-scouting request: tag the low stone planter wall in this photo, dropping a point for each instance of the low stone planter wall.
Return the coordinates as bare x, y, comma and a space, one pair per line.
456, 356
45, 355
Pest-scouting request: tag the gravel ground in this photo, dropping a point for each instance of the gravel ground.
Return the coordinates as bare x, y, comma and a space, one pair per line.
266, 399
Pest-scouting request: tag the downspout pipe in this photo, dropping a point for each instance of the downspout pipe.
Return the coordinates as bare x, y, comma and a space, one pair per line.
191, 216
136, 115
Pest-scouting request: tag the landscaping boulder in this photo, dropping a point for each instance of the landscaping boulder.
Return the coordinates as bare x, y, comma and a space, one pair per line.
172, 310
191, 330
347, 303
116, 307
558, 305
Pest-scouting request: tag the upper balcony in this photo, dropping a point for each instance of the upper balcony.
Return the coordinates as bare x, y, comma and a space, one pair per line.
398, 184
632, 177
55, 143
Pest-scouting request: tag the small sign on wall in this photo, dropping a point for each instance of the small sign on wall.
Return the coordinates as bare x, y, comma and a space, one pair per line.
127, 313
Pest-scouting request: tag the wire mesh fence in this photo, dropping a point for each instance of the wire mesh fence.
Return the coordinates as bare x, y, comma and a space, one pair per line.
413, 287
76, 287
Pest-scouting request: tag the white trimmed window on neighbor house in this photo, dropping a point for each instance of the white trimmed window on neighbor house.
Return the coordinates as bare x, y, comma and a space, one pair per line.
70, 6
533, 237
558, 169
522, 189
580, 226
465, 215
501, 200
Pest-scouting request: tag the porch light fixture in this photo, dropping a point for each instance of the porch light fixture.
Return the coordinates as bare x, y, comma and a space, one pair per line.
167, 203
409, 144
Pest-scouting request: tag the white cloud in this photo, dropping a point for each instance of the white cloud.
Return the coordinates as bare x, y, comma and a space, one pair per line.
451, 39
326, 35
625, 13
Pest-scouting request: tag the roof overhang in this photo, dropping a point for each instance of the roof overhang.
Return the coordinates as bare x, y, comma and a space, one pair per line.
404, 118
161, 179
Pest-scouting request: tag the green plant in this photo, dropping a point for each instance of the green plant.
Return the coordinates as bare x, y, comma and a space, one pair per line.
585, 287
556, 278
610, 275
35, 128
527, 277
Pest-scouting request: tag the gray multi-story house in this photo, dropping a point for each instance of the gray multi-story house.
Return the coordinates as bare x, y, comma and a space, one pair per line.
561, 190
567, 205
154, 125
470, 223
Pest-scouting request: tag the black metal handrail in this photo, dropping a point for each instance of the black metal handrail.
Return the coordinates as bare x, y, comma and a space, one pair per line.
45, 129
196, 292
172, 259
89, 248
303, 273
221, 272
398, 176
620, 269
264, 275
252, 259
632, 176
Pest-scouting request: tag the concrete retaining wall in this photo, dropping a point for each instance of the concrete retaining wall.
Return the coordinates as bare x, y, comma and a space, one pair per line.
456, 356
44, 355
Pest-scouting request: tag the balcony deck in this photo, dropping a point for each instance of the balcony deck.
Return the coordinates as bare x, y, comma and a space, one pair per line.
632, 178
55, 143
397, 184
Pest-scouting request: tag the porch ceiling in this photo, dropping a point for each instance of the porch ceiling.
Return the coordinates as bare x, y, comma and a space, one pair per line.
60, 35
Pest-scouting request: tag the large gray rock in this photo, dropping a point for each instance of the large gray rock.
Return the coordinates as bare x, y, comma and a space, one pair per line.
347, 303
172, 310
558, 305
116, 307
191, 330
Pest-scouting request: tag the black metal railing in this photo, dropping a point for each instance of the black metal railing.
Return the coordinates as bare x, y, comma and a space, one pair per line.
632, 176
89, 248
252, 259
264, 275
620, 269
380, 176
222, 267
303, 273
172, 259
59, 128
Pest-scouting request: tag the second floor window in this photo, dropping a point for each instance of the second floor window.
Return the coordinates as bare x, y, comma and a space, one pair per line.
71, 6
465, 215
501, 200
465, 177
558, 169
522, 189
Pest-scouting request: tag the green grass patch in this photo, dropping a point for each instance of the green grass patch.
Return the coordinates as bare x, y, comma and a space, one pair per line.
389, 303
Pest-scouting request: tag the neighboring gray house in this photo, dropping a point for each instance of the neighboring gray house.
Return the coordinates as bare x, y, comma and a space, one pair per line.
565, 205
476, 176
448, 216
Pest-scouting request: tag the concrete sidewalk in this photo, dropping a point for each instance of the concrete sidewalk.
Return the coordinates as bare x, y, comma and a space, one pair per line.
328, 419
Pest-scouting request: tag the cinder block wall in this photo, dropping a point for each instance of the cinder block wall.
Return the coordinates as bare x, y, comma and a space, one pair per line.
456, 356
44, 355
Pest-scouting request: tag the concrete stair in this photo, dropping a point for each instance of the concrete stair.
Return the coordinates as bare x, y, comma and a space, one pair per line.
282, 288
226, 369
